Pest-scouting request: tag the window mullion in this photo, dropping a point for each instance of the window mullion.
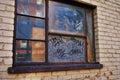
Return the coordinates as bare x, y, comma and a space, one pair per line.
46, 29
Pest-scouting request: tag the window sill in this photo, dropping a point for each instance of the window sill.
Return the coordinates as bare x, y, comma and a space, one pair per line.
53, 67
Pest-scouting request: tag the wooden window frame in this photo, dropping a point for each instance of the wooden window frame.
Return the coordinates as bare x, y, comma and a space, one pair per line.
28, 67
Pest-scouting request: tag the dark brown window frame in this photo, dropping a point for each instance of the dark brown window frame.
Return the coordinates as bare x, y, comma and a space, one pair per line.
28, 67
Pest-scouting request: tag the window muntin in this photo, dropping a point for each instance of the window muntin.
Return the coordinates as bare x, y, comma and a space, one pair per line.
31, 28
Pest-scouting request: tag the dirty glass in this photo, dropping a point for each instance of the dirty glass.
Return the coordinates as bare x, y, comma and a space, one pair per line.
66, 49
30, 51
31, 7
66, 18
30, 28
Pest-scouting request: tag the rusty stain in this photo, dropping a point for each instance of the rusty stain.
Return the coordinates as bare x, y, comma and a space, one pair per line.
111, 73
104, 74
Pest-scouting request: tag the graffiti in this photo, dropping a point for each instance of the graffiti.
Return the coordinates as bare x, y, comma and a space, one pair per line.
66, 49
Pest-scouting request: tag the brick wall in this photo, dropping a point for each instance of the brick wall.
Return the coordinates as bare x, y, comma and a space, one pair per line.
107, 40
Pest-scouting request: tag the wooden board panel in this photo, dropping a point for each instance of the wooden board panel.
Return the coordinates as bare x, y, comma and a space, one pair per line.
90, 46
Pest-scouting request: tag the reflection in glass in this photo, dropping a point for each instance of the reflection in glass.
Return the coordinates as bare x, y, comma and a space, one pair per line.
22, 51
66, 18
31, 7
66, 49
34, 52
30, 28
38, 51
23, 44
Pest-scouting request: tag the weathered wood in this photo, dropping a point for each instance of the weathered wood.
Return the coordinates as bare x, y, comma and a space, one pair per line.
53, 67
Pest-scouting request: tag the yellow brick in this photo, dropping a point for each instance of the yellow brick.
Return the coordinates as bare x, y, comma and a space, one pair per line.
94, 2
8, 2
59, 73
42, 74
6, 75
35, 78
104, 69
102, 50
4, 26
7, 14
8, 20
94, 70
21, 75
6, 39
1, 46
118, 51
76, 76
50, 78
84, 71
67, 77
112, 68
1, 60
112, 77
104, 59
2, 7
27, 79
106, 64
30, 75
61, 78
8, 61
7, 47
10, 8
6, 53
73, 72
19, 78
3, 68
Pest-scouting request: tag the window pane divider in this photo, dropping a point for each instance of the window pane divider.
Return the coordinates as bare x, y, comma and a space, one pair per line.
46, 30
30, 16
69, 35
31, 39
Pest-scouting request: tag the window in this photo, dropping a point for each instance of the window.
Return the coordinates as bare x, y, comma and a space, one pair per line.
53, 35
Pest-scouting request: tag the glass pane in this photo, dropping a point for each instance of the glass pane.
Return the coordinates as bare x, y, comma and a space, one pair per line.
66, 49
22, 44
31, 7
38, 51
66, 18
90, 47
30, 28
23, 52
33, 51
